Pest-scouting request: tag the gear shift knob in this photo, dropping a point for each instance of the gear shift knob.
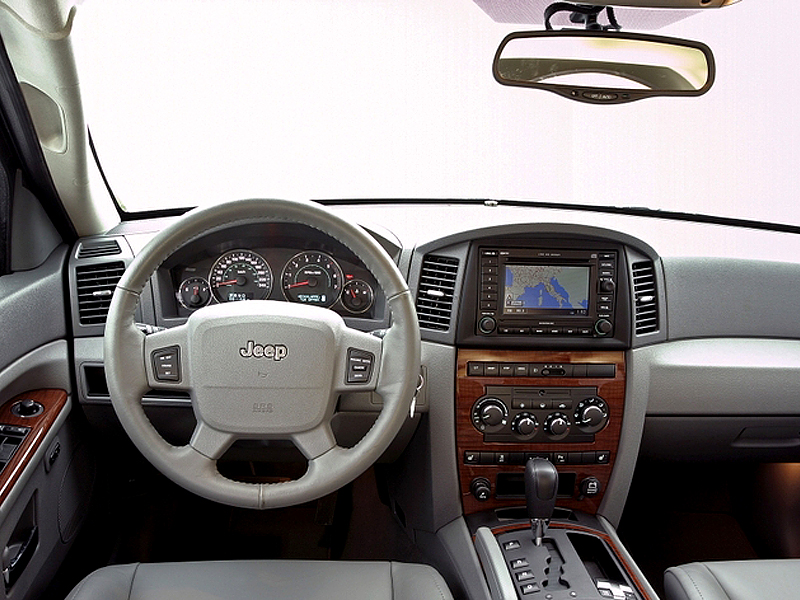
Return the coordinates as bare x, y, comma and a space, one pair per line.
541, 488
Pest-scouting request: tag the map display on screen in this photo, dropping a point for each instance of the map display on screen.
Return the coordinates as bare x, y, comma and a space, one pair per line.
546, 287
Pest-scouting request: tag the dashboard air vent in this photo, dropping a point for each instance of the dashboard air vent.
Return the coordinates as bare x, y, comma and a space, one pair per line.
99, 248
96, 285
437, 285
645, 297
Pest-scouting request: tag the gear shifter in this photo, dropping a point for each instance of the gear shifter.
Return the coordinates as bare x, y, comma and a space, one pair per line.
541, 488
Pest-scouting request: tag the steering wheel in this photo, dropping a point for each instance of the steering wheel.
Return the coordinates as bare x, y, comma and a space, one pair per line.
262, 369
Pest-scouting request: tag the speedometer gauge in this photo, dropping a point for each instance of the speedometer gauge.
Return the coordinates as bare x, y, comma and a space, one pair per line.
312, 278
240, 275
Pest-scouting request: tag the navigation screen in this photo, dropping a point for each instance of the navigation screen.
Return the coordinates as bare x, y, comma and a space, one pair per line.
546, 288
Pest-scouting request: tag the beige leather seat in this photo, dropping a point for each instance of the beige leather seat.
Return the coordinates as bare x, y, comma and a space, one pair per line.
264, 580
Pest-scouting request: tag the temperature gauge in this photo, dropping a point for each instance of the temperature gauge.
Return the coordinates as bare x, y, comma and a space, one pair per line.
194, 292
357, 296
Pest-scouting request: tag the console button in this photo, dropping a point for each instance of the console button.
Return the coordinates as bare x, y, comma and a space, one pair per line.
506, 370
529, 588
487, 458
574, 458
602, 457
600, 370
521, 370
519, 563
475, 369
501, 458
472, 458
512, 545
491, 369
560, 458
584, 331
579, 370
525, 575
544, 455
588, 458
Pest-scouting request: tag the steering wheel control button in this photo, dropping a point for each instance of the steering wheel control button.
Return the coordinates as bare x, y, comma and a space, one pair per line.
27, 408
359, 365
167, 363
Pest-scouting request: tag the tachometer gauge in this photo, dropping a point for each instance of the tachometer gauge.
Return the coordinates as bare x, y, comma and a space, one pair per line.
357, 296
312, 278
194, 292
240, 275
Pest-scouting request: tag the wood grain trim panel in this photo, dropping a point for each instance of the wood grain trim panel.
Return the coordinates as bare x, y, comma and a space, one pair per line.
629, 571
469, 389
54, 402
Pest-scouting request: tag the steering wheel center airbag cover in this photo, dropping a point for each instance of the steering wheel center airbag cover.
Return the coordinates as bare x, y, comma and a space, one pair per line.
263, 367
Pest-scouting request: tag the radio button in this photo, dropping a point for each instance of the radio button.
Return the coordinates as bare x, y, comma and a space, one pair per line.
585, 331
570, 331
605, 298
538, 330
604, 307
489, 306
489, 270
554, 331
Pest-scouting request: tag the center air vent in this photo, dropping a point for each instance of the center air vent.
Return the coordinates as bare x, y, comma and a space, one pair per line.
645, 297
96, 285
99, 248
437, 285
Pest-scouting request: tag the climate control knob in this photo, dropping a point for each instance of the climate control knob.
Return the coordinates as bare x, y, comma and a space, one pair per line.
489, 415
591, 414
524, 425
557, 426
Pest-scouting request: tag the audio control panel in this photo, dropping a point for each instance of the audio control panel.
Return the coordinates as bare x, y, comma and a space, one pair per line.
540, 414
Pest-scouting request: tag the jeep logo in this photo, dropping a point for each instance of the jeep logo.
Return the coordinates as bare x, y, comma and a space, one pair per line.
253, 350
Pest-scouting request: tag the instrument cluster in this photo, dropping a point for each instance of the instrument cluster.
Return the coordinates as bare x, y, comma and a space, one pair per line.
307, 276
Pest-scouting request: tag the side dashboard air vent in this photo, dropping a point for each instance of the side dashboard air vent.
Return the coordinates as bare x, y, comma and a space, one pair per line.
96, 285
645, 297
99, 248
437, 286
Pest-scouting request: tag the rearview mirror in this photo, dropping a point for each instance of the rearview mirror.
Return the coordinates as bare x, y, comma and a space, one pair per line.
604, 67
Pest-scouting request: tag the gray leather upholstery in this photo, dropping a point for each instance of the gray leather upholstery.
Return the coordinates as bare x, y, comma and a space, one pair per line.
264, 580
734, 580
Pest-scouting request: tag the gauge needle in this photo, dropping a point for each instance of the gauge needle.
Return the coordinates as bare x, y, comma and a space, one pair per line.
229, 282
299, 283
353, 293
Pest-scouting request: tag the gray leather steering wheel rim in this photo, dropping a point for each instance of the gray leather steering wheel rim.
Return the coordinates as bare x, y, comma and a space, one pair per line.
128, 371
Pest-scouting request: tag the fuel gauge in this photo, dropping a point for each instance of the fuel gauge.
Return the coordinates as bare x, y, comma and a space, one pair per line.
194, 293
357, 296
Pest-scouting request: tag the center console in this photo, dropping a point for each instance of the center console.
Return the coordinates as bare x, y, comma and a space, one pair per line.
513, 405
541, 379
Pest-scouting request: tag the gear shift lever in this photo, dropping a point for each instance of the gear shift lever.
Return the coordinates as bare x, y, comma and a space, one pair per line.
541, 487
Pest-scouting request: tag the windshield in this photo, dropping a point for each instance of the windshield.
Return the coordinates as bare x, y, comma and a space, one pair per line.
191, 103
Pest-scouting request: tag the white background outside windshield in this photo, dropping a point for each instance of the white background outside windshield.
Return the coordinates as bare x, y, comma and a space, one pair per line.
191, 103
